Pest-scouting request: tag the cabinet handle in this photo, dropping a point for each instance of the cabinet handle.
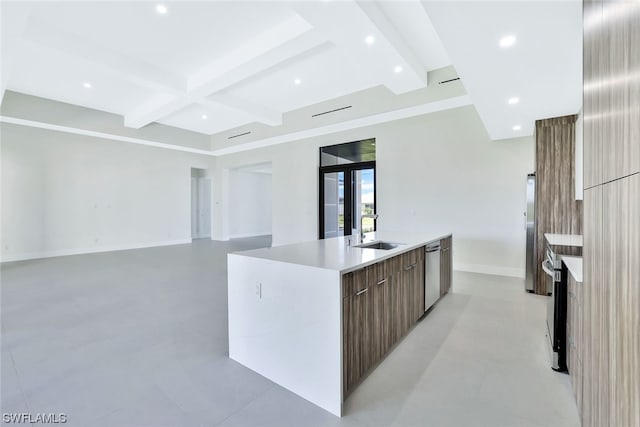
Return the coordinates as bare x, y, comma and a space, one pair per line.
409, 267
382, 281
445, 249
362, 291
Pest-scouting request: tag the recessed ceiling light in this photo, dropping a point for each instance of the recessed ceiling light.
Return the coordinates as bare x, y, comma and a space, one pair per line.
514, 100
204, 117
161, 9
517, 127
397, 69
87, 85
297, 82
369, 40
507, 41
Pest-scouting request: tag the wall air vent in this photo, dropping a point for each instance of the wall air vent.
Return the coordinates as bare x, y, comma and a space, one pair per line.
332, 111
448, 81
238, 135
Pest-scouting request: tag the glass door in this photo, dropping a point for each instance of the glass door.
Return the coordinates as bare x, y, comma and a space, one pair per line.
347, 197
333, 204
364, 202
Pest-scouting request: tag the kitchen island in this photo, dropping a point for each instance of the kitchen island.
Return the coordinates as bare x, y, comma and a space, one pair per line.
317, 317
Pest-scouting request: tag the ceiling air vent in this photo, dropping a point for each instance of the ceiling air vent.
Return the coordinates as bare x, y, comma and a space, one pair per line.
240, 134
332, 111
448, 81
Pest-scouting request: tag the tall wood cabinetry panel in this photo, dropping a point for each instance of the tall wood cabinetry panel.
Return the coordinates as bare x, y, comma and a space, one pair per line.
621, 265
611, 306
595, 311
556, 207
611, 97
632, 112
445, 266
620, 89
592, 58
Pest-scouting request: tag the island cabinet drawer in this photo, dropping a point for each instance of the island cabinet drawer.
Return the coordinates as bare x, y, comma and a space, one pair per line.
411, 259
377, 273
354, 282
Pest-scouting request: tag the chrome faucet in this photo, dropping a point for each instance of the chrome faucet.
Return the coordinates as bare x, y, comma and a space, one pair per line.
374, 216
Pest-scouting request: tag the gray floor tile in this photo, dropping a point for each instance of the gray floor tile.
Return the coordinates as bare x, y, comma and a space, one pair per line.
139, 338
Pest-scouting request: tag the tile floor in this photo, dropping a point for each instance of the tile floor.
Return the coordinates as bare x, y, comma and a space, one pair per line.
139, 338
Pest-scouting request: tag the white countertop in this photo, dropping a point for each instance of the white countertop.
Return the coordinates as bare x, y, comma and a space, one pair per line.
574, 265
563, 239
336, 254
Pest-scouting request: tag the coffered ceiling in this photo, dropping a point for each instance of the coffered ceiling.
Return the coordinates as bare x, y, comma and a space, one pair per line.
217, 66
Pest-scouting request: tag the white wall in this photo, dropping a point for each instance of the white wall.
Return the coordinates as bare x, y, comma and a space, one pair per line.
294, 191
64, 194
250, 204
433, 171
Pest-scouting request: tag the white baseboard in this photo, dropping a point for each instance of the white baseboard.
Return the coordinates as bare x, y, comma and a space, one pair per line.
490, 269
245, 235
66, 252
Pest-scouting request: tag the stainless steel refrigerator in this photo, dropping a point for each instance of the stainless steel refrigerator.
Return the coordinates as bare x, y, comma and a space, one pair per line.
530, 226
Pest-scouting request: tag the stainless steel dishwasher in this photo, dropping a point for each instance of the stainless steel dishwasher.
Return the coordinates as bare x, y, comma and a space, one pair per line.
431, 275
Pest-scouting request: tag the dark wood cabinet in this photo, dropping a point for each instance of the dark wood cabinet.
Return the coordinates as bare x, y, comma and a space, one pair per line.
574, 337
377, 282
592, 58
380, 304
610, 58
611, 289
356, 315
621, 279
593, 361
394, 297
409, 264
417, 281
445, 265
620, 97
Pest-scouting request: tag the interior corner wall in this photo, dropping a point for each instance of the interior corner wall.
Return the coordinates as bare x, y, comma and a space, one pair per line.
67, 194
434, 172
250, 204
294, 192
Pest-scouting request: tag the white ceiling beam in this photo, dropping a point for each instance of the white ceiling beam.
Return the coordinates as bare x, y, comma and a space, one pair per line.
260, 113
389, 31
347, 23
101, 135
282, 43
375, 119
110, 61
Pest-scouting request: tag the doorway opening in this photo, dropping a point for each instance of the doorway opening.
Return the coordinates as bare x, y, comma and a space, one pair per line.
250, 201
200, 204
347, 189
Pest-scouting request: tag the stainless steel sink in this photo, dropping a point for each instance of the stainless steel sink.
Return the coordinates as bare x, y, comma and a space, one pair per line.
385, 246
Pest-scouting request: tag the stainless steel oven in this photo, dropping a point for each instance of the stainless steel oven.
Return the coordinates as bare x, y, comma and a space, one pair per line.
556, 309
